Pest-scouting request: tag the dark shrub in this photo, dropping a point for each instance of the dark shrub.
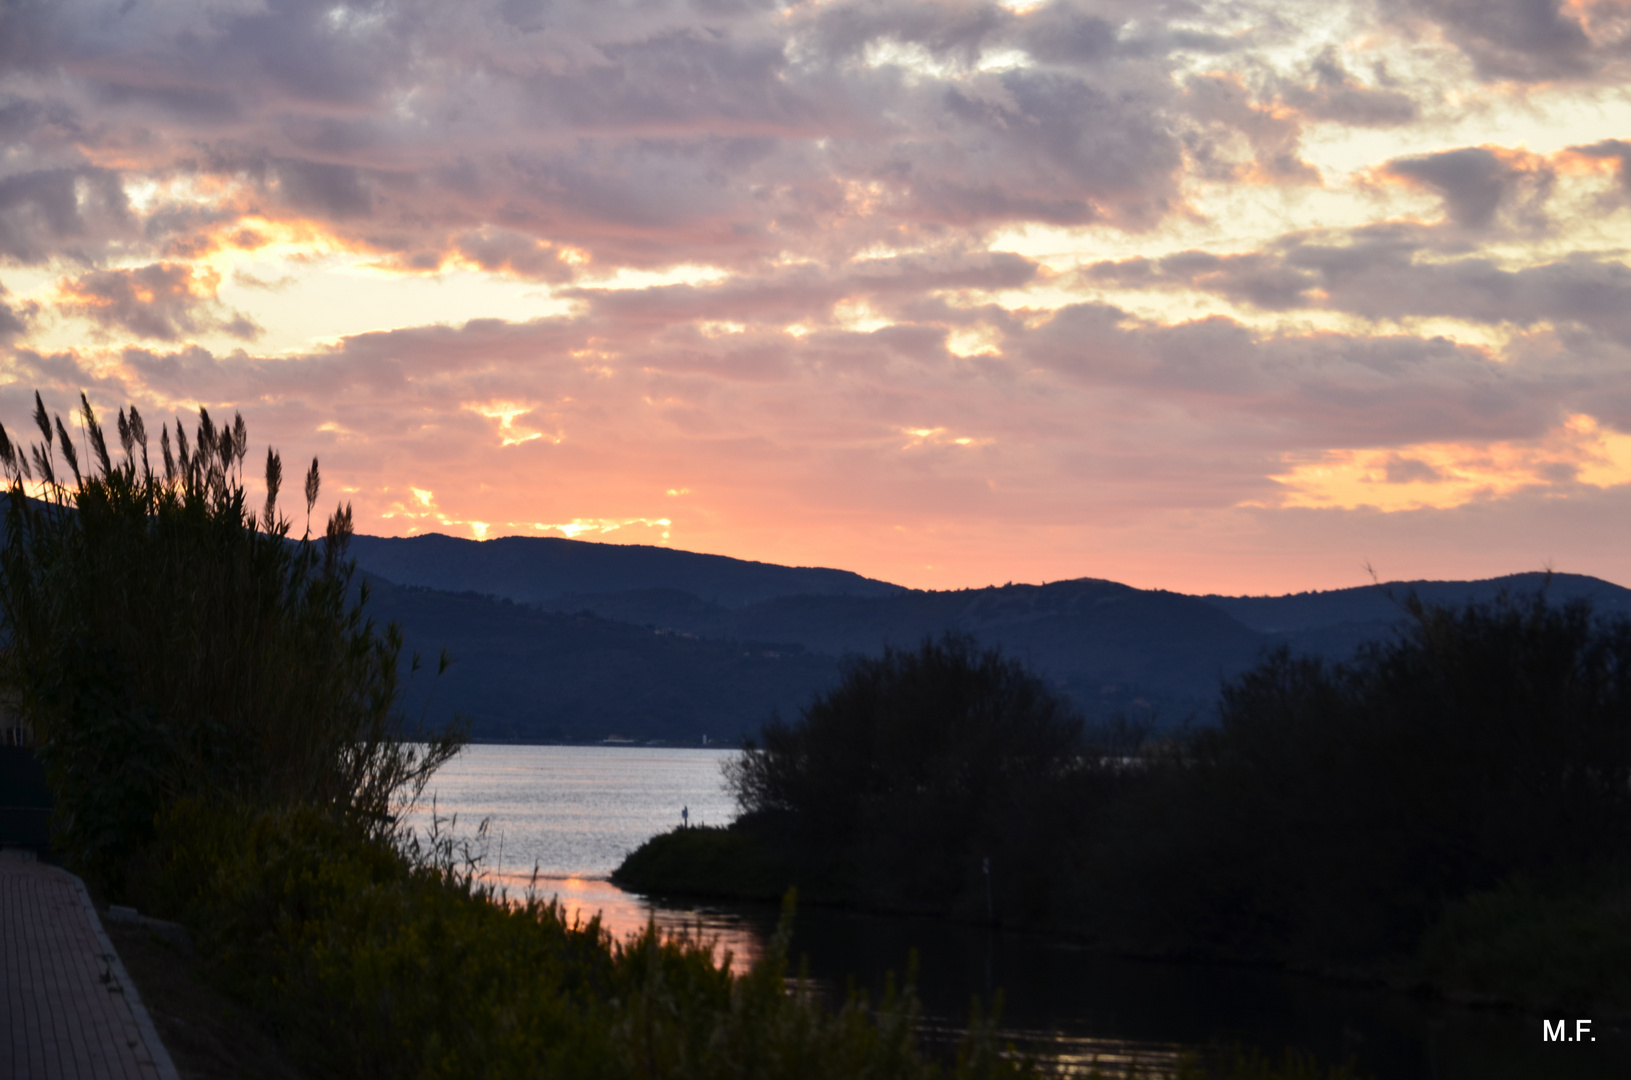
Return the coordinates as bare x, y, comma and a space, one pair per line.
917, 769
1338, 807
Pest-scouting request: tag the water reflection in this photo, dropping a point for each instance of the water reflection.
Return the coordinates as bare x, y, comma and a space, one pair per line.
1067, 1055
625, 914
1074, 1008
744, 932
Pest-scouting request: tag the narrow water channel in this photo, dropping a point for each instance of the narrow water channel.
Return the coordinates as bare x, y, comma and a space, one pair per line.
572, 812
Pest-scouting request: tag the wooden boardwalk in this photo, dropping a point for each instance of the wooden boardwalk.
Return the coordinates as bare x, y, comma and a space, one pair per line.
71, 1011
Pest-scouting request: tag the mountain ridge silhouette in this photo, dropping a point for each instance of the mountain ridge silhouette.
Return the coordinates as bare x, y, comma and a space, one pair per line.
571, 640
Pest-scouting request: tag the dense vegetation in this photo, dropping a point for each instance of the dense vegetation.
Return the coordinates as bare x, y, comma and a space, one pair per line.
170, 643
1339, 813
906, 779
1453, 806
945, 779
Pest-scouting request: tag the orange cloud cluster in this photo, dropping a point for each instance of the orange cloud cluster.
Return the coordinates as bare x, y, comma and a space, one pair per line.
1443, 476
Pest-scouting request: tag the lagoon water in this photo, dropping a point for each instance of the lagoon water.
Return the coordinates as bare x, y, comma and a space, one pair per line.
578, 810
559, 819
574, 812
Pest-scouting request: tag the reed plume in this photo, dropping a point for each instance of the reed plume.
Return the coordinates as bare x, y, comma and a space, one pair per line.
170, 642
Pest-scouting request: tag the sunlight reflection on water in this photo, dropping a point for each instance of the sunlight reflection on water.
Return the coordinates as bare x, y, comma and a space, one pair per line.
625, 914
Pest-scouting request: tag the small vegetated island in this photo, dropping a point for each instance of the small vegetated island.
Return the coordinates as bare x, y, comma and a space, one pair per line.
220, 723
1449, 810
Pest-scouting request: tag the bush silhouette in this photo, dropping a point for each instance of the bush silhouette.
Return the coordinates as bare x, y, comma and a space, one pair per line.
919, 772
1338, 808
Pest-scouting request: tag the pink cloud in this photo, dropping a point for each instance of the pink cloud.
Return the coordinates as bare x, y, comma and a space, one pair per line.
859, 379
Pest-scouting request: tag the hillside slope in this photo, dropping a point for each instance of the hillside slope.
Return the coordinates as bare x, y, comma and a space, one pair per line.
566, 640
550, 570
1111, 647
1336, 622
525, 675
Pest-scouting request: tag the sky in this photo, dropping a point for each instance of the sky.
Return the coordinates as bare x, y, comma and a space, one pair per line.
1234, 296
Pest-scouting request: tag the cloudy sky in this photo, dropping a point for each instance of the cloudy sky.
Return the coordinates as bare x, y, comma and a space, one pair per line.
1211, 295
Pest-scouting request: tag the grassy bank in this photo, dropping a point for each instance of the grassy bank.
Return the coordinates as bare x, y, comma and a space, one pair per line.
366, 960
718, 862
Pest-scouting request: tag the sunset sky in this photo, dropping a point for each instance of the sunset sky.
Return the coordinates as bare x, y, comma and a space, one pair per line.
1212, 296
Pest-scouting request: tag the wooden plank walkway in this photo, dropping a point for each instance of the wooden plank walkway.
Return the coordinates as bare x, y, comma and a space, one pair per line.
71, 1011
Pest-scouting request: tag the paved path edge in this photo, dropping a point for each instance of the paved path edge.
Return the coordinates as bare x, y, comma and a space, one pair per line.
133, 998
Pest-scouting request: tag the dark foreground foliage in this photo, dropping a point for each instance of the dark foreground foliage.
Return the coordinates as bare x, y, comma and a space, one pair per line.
1453, 805
169, 642
370, 962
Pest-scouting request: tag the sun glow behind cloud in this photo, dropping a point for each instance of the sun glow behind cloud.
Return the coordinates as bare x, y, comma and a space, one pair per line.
506, 413
939, 436
600, 528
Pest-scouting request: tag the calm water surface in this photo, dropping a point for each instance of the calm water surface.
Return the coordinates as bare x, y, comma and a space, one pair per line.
578, 810
561, 818
574, 812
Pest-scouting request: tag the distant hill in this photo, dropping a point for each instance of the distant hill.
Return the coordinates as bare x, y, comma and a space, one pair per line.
550, 570
1335, 623
1380, 603
1111, 647
569, 640
521, 674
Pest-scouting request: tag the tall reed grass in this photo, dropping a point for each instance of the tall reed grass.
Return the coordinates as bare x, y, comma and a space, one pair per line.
169, 640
